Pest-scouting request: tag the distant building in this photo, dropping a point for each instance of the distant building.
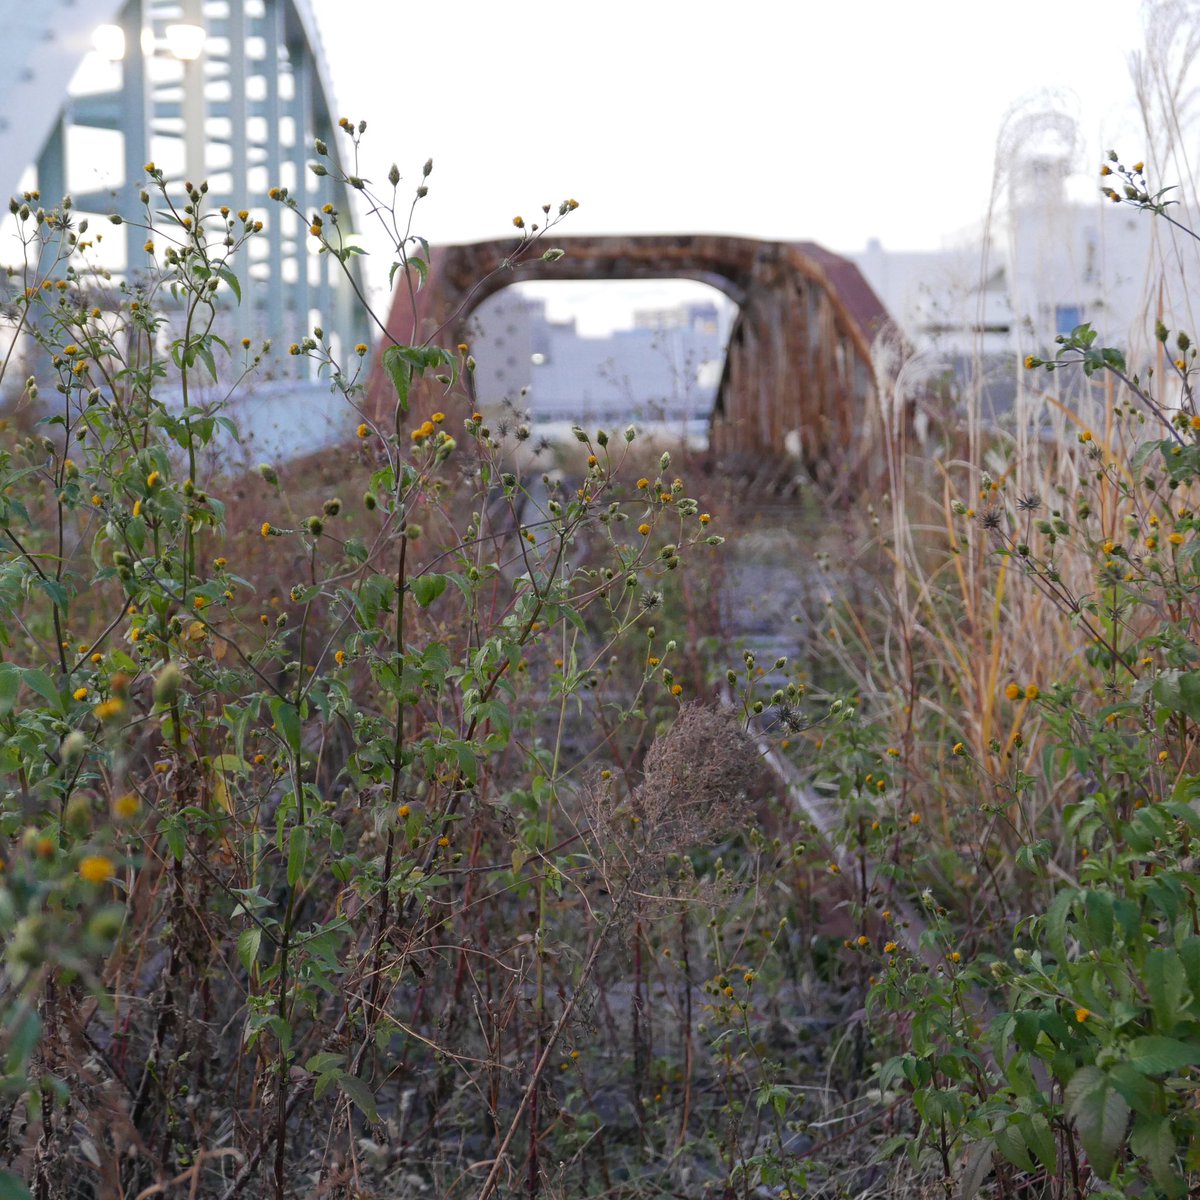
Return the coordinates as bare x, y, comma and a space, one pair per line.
665, 368
1046, 266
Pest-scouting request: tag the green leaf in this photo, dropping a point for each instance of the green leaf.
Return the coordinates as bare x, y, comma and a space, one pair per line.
1038, 1136
1141, 1094
1166, 983
1154, 1141
297, 853
1100, 1114
248, 943
400, 373
287, 723
1159, 1055
1011, 1144
11, 1188
44, 686
977, 1169
10, 685
427, 588
360, 1093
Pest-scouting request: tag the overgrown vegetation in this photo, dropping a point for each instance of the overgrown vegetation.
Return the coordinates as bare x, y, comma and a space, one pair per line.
402, 826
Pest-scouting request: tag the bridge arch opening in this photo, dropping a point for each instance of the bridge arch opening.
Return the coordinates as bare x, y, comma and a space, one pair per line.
608, 352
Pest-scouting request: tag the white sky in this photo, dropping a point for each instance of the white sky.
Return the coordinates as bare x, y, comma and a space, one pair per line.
828, 120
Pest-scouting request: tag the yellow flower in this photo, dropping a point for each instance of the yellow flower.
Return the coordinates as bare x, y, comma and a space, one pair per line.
959, 749
96, 500
339, 657
265, 529
199, 602
1176, 539
1086, 436
152, 479
676, 689
404, 810
97, 657
364, 430
914, 818
705, 518
113, 707
126, 806
863, 940
1162, 756
652, 661
80, 693
955, 956
137, 508
1081, 1015
1013, 692
95, 868
220, 562
443, 842
644, 529
890, 948
643, 483
438, 418
361, 349
1031, 692
1030, 362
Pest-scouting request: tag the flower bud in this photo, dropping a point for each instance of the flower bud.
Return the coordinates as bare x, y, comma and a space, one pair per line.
167, 684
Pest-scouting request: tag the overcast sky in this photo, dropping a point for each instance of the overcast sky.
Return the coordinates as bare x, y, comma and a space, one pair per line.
829, 120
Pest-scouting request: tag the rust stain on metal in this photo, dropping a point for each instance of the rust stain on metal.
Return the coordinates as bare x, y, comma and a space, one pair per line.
798, 381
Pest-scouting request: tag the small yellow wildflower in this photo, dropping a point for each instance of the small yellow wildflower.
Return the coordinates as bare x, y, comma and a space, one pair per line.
652, 661
644, 529
643, 483
959, 749
404, 810
360, 349
110, 708
1162, 756
1081, 1015
1086, 436
676, 689
955, 956
80, 693
364, 430
220, 562
1013, 692
1176, 539
96, 500
1030, 362
95, 868
339, 657
863, 940
443, 842
438, 418
1031, 692
126, 806
97, 657
199, 601
152, 479
914, 818
890, 948
265, 529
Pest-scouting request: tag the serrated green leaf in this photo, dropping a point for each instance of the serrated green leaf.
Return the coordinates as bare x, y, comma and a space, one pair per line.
1100, 1115
1159, 1055
360, 1094
248, 943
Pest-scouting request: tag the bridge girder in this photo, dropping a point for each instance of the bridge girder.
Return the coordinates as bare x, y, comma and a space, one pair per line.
798, 380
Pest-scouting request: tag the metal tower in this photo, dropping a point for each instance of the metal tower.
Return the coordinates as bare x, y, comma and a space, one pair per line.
234, 92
